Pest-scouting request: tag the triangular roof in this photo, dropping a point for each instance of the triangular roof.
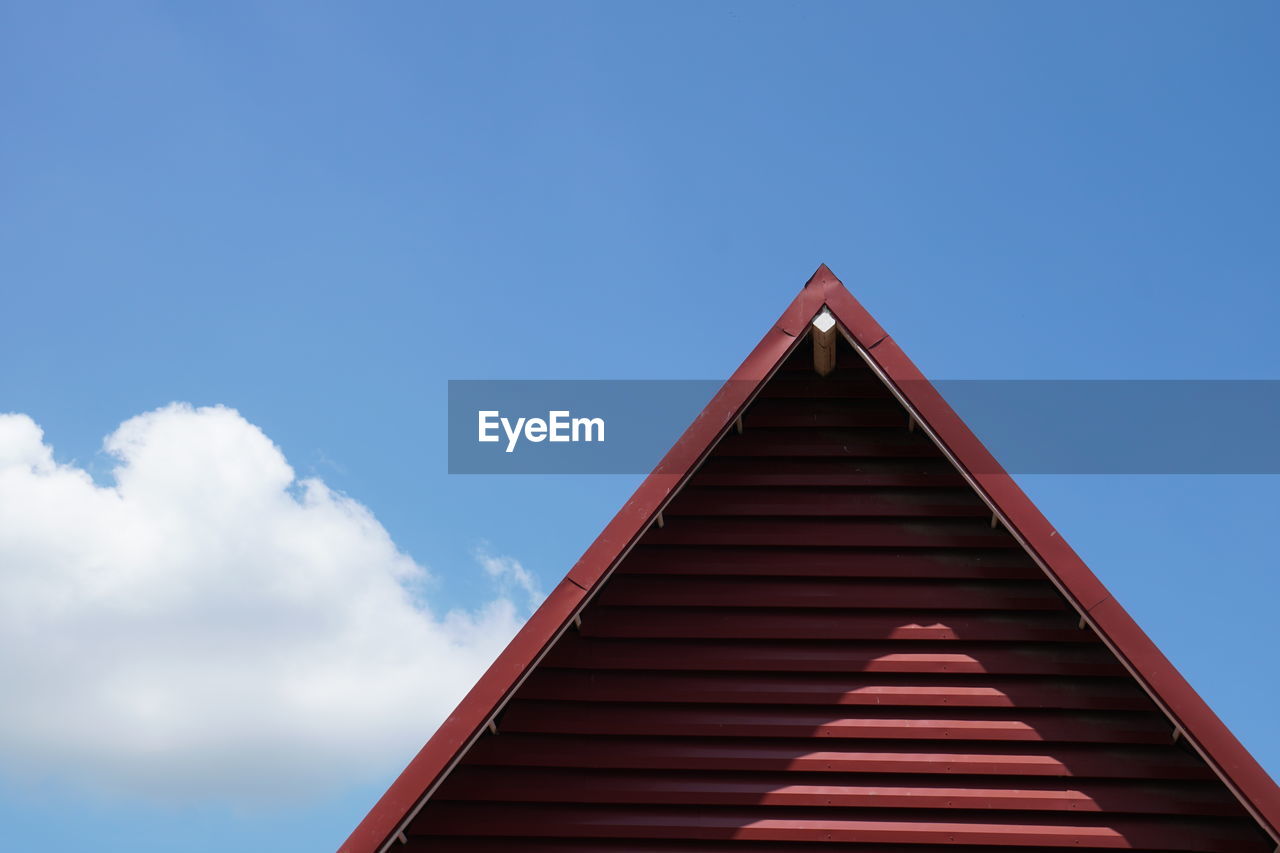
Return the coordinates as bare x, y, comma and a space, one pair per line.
1189, 719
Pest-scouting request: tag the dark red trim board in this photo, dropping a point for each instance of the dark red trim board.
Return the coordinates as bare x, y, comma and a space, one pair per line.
831, 646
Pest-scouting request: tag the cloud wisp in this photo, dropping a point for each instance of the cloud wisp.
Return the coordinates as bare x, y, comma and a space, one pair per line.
510, 575
210, 626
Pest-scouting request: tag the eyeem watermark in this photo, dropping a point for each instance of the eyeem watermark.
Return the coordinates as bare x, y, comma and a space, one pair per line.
557, 426
568, 426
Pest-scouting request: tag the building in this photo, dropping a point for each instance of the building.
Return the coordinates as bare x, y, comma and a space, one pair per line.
829, 618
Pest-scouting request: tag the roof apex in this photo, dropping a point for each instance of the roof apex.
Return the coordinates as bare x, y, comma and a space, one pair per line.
821, 276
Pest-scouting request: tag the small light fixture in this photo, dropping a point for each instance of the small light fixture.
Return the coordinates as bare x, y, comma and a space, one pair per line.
824, 343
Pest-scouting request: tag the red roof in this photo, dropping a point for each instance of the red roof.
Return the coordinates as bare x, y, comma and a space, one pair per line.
829, 616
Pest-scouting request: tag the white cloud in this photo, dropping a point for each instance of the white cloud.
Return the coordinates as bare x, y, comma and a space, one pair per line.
210, 626
510, 574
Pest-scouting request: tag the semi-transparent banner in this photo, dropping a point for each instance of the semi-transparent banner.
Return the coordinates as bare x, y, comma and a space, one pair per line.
1060, 426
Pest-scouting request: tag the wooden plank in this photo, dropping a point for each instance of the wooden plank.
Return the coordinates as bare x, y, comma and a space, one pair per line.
1194, 835
767, 475
459, 844
828, 413
717, 721
822, 532
730, 656
548, 785
821, 502
863, 594
804, 755
857, 387
866, 413
721, 464
935, 465
962, 691
753, 624
903, 563
890, 442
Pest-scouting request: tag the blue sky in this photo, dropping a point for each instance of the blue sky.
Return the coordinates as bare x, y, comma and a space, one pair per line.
315, 214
